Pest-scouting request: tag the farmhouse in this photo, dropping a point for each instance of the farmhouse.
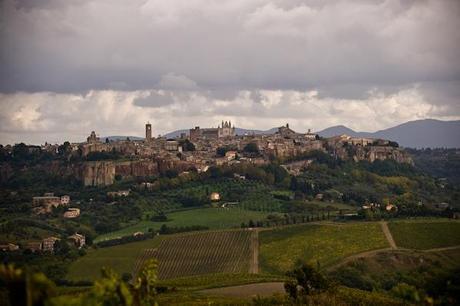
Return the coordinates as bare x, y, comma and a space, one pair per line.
72, 213
45, 203
215, 196
77, 239
48, 244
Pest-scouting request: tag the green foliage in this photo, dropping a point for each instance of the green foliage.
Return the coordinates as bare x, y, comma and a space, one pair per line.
187, 145
111, 155
120, 258
425, 234
251, 147
213, 218
24, 288
406, 292
306, 280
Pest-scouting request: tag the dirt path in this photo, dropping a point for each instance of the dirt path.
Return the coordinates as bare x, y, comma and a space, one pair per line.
388, 235
250, 290
442, 249
254, 264
356, 256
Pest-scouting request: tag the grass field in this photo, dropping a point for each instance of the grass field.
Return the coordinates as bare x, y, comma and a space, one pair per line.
425, 234
215, 280
121, 258
204, 253
281, 249
214, 218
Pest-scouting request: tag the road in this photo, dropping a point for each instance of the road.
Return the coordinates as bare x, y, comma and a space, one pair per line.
388, 235
254, 265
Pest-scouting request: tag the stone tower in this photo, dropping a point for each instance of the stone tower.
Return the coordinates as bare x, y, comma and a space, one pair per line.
148, 132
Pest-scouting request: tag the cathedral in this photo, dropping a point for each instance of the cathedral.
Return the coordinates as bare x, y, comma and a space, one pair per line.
224, 130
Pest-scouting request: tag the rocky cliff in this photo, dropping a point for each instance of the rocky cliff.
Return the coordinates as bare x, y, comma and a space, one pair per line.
98, 173
102, 173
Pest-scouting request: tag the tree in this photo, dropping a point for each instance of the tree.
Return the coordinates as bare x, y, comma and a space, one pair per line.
251, 148
64, 149
308, 279
220, 151
188, 146
24, 288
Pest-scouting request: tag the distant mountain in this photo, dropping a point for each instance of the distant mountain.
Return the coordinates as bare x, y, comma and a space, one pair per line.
428, 133
338, 130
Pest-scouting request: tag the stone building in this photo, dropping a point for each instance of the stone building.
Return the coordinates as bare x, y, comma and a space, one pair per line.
92, 138
222, 131
78, 240
148, 132
48, 244
72, 213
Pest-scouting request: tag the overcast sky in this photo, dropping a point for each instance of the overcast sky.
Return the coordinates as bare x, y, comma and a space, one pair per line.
72, 66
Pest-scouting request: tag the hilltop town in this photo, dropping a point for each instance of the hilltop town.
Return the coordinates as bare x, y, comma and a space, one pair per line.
205, 147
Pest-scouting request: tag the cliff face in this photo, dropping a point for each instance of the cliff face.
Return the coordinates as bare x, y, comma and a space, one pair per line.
98, 173
138, 168
102, 173
372, 153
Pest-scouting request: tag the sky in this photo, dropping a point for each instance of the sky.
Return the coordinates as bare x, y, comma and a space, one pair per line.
74, 66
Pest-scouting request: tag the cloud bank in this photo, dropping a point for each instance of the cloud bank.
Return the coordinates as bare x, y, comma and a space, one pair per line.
68, 67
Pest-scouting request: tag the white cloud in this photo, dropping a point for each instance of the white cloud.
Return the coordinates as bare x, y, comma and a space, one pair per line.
54, 117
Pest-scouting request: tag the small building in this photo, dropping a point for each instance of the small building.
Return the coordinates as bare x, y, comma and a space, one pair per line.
78, 240
9, 247
171, 145
72, 213
391, 207
230, 155
65, 200
48, 244
215, 196
46, 201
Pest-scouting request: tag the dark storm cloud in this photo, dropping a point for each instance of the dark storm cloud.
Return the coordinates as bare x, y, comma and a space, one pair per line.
87, 64
68, 46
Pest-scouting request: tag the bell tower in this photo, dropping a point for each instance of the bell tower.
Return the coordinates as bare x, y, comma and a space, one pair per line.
148, 132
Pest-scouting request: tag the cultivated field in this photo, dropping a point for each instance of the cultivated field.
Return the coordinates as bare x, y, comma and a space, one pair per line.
425, 234
121, 258
214, 218
281, 249
203, 253
198, 282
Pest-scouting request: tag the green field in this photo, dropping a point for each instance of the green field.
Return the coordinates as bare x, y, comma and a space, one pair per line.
121, 258
215, 280
204, 253
214, 218
425, 234
281, 249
